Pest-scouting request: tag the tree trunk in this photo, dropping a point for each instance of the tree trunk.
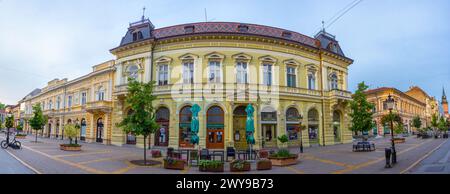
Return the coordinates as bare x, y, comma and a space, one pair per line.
36, 136
145, 150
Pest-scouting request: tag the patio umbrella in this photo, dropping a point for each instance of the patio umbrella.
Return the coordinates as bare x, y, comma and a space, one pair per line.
250, 127
195, 124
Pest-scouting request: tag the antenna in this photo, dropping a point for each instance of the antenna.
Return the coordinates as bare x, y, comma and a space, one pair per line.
143, 13
206, 16
323, 25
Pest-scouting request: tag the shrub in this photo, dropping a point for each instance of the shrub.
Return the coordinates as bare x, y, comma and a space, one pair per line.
239, 164
210, 164
283, 153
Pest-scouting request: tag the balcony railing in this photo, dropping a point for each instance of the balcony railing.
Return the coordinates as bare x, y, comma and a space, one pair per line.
340, 94
99, 106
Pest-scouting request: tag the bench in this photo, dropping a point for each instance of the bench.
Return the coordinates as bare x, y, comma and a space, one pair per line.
364, 146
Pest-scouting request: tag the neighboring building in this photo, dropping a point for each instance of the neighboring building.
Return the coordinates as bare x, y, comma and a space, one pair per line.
289, 78
408, 107
85, 100
432, 105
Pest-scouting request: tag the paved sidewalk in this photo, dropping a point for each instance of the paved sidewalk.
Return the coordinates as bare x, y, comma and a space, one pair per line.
10, 165
46, 158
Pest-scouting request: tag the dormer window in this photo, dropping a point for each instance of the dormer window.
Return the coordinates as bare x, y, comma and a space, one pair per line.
137, 36
286, 35
243, 28
189, 29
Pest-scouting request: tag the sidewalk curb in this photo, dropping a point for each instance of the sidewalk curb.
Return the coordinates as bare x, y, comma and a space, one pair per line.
423, 158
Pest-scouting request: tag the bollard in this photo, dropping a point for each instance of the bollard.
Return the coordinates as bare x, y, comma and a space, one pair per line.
388, 153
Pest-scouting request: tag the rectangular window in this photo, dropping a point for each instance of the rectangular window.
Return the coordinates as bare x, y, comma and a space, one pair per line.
241, 76
163, 75
311, 82
70, 101
214, 72
188, 72
83, 98
267, 74
291, 77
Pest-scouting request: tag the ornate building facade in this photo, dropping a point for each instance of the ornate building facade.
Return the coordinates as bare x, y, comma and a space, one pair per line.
406, 106
85, 101
293, 81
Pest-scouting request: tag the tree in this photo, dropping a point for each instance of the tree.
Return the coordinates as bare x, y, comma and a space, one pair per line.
9, 122
71, 131
434, 123
142, 119
2, 106
417, 123
396, 119
362, 111
37, 121
443, 125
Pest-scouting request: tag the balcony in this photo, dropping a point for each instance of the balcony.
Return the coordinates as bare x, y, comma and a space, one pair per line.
99, 107
340, 94
49, 112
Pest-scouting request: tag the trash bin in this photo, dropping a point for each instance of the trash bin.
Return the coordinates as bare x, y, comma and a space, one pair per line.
388, 153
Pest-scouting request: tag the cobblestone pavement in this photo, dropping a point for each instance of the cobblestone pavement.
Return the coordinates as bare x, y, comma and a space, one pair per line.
45, 157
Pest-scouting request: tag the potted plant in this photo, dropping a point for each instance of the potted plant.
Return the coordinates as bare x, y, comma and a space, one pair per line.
240, 166
263, 153
211, 166
156, 154
264, 165
174, 164
283, 157
20, 134
71, 132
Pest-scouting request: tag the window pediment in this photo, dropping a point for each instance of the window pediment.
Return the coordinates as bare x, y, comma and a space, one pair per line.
188, 56
215, 56
242, 57
164, 59
291, 62
268, 59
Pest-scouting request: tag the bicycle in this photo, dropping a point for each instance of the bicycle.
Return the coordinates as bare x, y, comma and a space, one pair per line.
13, 144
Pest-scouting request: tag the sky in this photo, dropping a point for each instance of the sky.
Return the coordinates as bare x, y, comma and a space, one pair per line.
399, 43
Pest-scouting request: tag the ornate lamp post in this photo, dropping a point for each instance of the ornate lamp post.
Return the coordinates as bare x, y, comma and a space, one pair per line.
390, 102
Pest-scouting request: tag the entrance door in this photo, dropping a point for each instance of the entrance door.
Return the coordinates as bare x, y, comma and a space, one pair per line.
269, 135
313, 134
57, 130
99, 131
215, 128
83, 130
163, 120
239, 133
49, 130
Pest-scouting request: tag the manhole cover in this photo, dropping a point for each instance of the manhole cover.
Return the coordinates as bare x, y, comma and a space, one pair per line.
435, 169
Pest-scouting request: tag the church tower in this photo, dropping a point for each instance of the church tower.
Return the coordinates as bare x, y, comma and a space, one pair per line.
444, 102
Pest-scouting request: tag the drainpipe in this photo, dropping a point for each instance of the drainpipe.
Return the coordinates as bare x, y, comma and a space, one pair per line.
323, 96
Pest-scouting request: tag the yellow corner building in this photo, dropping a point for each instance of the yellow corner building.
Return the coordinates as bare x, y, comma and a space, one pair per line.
297, 85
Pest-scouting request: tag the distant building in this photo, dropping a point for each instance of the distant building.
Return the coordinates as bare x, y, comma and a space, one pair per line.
407, 106
444, 104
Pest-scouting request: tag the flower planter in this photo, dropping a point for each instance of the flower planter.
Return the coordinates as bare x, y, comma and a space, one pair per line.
246, 167
263, 154
264, 165
399, 140
73, 148
284, 161
174, 164
219, 168
21, 137
156, 154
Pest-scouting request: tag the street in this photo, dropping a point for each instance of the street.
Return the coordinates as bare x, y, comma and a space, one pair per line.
10, 165
437, 162
45, 157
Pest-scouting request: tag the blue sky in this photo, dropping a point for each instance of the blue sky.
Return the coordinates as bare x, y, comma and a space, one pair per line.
394, 43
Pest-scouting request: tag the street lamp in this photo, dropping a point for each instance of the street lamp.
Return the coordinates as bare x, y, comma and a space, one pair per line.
9, 115
390, 102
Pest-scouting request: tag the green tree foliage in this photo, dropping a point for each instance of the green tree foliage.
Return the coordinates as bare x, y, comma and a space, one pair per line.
362, 110
142, 119
443, 125
71, 131
2, 106
9, 122
417, 122
37, 122
397, 121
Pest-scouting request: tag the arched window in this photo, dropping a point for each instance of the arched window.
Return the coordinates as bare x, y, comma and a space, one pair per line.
313, 115
292, 123
215, 115
336, 124
163, 115
292, 115
313, 126
132, 72
240, 111
185, 127
333, 81
163, 120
